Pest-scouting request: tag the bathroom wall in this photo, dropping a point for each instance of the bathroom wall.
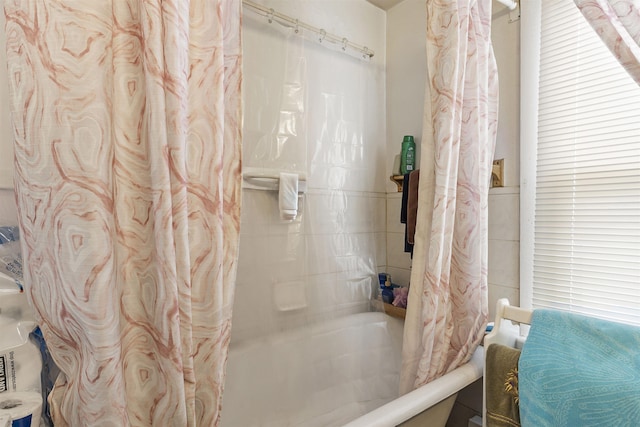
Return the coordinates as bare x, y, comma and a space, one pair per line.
319, 112
504, 203
406, 65
406, 74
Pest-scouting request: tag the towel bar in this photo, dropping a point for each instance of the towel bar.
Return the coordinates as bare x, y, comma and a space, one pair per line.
267, 179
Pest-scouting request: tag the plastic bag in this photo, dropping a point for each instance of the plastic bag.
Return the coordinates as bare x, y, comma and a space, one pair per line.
20, 359
25, 362
10, 260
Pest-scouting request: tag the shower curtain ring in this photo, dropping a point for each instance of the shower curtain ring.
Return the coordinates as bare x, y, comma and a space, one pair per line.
344, 44
323, 34
365, 52
296, 29
270, 15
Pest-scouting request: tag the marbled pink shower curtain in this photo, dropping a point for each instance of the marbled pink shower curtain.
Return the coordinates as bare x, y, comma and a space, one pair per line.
617, 22
448, 310
127, 121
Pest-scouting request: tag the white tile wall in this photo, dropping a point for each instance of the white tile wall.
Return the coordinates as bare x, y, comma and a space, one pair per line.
503, 262
396, 256
398, 261
399, 276
312, 109
381, 250
496, 292
332, 249
503, 208
504, 246
394, 201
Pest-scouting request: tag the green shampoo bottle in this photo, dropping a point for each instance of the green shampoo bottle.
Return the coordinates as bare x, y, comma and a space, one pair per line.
408, 155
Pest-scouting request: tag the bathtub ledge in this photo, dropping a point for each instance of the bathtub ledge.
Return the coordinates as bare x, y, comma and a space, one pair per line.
423, 398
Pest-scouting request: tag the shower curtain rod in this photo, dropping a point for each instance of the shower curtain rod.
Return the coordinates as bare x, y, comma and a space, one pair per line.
511, 4
295, 23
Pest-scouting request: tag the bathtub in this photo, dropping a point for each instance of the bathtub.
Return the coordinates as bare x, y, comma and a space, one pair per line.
341, 372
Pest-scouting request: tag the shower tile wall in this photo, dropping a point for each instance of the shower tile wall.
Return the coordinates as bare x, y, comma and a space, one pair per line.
329, 123
398, 261
504, 246
293, 274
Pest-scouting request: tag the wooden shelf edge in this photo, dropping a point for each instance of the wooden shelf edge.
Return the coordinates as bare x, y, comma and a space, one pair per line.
390, 309
394, 311
398, 180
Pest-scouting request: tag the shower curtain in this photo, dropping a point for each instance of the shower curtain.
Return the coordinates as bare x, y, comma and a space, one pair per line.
617, 22
127, 126
447, 311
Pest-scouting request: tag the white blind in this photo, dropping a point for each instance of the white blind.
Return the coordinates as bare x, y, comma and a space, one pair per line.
587, 208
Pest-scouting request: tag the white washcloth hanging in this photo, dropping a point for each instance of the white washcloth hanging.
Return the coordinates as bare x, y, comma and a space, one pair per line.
288, 196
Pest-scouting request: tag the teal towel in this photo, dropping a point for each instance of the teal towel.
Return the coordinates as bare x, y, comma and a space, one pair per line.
578, 371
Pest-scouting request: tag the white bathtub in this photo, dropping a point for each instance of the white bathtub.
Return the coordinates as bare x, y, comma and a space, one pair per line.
339, 372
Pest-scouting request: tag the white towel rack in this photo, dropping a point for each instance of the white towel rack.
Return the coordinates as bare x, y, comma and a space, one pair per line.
504, 332
268, 180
